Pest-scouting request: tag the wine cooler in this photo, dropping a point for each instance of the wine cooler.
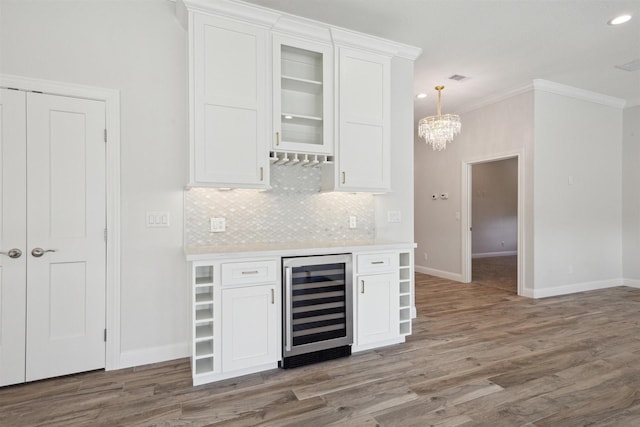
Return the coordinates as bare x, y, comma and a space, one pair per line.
317, 309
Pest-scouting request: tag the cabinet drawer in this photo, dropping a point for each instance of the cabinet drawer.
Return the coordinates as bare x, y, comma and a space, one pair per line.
242, 273
376, 263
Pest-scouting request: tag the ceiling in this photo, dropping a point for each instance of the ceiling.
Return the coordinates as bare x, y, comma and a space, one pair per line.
500, 45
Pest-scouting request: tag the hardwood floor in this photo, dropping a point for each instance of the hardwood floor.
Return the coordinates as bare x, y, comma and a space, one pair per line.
499, 272
479, 356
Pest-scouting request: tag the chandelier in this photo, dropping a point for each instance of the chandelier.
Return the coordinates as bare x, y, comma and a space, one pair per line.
440, 129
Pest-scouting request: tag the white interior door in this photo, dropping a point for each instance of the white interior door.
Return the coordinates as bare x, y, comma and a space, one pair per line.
13, 204
65, 235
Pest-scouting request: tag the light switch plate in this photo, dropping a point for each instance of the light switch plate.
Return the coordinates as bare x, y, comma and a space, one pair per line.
158, 219
353, 221
218, 225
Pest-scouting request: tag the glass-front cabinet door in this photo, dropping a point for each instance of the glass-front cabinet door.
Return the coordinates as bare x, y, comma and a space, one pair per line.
302, 96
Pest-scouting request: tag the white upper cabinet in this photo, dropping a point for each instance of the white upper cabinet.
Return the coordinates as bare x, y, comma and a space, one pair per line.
262, 80
364, 134
229, 103
302, 96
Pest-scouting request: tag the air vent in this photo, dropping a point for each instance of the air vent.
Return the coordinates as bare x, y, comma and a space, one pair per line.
457, 77
630, 66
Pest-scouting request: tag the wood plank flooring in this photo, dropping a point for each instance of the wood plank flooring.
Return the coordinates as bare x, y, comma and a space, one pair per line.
479, 356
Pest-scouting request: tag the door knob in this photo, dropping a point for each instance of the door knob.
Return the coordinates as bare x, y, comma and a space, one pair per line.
12, 253
38, 252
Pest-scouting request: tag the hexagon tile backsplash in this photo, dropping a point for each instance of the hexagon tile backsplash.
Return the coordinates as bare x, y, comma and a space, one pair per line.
294, 210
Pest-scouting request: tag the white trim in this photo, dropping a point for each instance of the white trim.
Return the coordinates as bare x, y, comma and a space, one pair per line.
497, 98
439, 273
575, 287
581, 94
493, 254
146, 356
111, 98
632, 103
634, 283
465, 207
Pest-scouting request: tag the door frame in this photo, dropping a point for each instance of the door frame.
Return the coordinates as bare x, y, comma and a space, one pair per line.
111, 98
465, 222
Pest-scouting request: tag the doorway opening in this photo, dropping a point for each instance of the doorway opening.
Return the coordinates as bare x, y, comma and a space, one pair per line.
492, 227
494, 222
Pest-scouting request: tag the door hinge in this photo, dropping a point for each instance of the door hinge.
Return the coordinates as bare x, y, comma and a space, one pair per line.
105, 335
105, 234
105, 135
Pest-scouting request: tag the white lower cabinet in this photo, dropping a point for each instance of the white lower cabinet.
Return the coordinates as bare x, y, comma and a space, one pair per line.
250, 332
377, 308
237, 310
236, 322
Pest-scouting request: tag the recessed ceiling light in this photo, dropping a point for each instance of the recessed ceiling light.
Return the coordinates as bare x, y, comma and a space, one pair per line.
421, 95
619, 20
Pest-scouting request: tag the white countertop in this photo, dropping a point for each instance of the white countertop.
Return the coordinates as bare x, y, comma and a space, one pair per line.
197, 253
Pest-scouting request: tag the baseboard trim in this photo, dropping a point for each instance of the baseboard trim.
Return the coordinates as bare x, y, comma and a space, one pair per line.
439, 273
494, 254
573, 288
146, 356
633, 283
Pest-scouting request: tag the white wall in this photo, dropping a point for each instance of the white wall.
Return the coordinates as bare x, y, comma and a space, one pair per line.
631, 195
578, 194
139, 48
495, 207
491, 131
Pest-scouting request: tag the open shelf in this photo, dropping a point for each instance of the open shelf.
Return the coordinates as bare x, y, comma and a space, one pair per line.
204, 349
204, 274
204, 295
204, 312
204, 366
405, 301
405, 288
301, 85
204, 331
405, 328
405, 259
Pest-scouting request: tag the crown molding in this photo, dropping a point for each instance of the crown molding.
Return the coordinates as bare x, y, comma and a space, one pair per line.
581, 94
233, 9
295, 25
497, 98
349, 38
632, 103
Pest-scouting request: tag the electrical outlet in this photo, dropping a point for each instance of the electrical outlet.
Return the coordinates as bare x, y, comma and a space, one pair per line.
393, 216
353, 221
502, 243
444, 196
426, 257
434, 197
218, 225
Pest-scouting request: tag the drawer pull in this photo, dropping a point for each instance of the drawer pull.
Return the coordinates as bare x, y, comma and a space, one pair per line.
362, 291
250, 272
377, 262
273, 296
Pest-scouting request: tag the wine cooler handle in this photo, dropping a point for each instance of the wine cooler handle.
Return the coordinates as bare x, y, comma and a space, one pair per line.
287, 304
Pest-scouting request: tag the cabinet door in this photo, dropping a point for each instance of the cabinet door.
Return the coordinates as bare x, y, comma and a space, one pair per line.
378, 318
302, 96
364, 129
229, 71
250, 327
